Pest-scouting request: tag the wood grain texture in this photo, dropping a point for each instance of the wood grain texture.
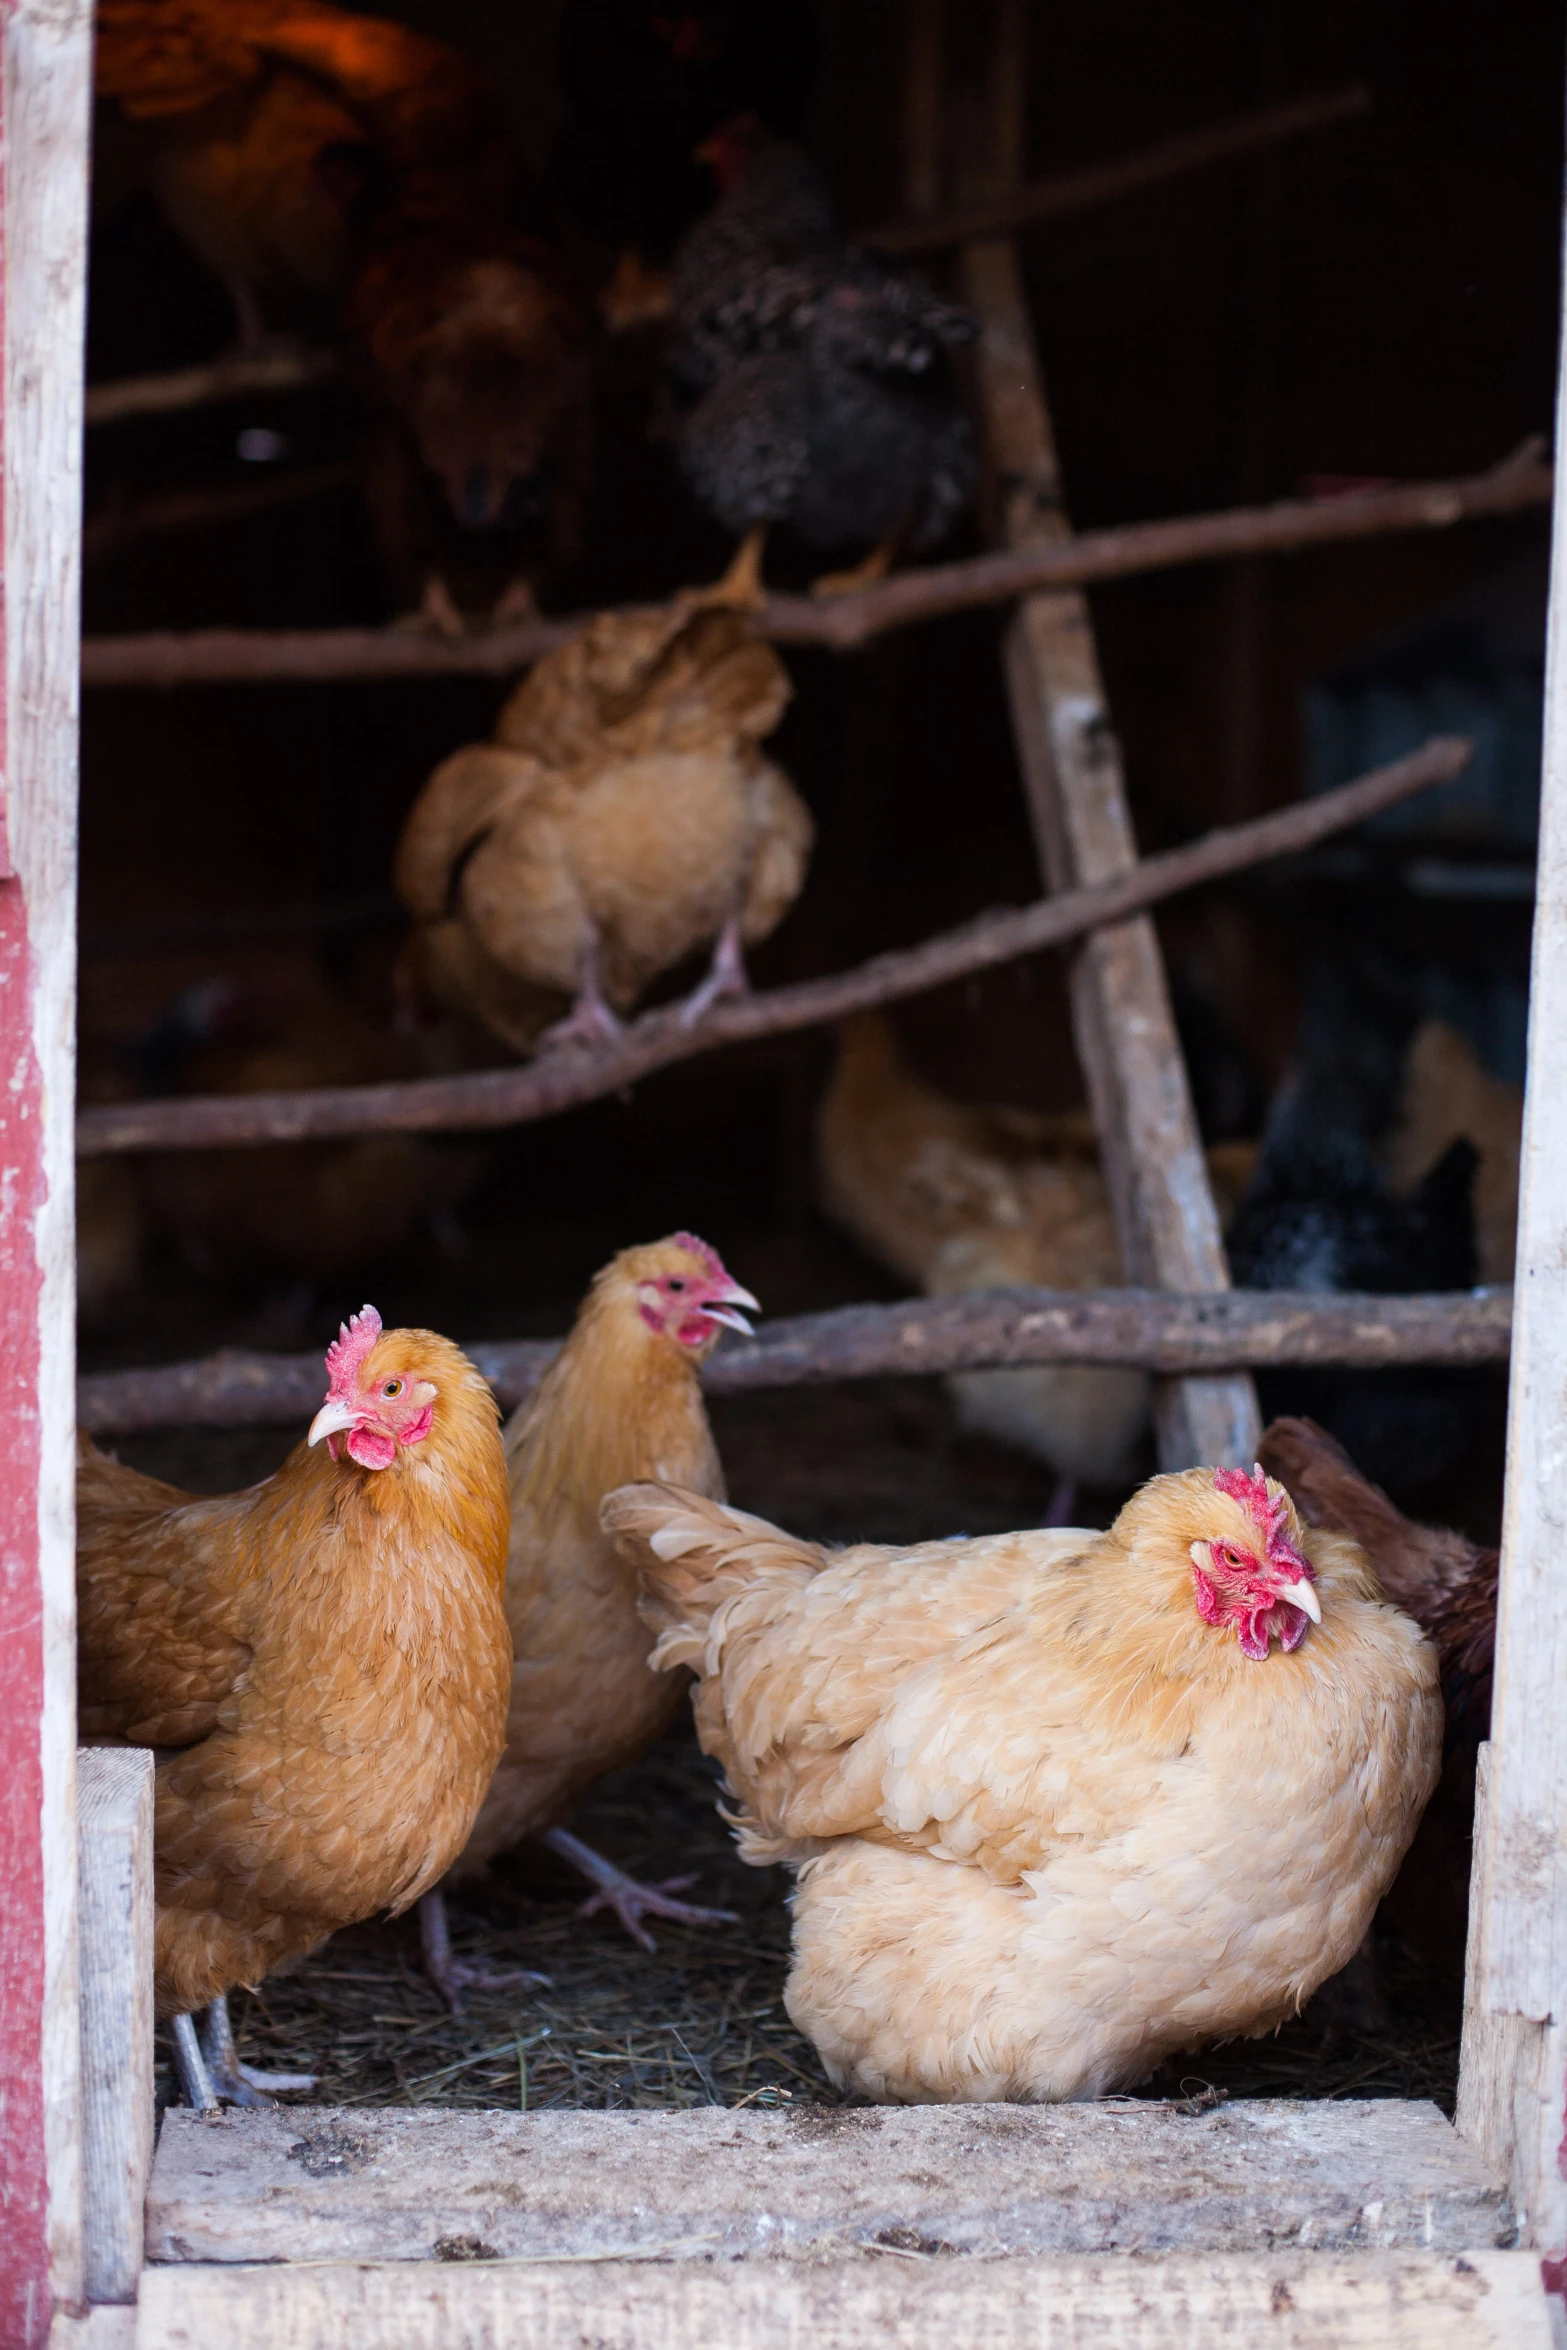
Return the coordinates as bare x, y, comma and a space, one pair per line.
1519, 1912
386, 2184
114, 1862
972, 1330
1126, 1040
46, 71
1290, 2301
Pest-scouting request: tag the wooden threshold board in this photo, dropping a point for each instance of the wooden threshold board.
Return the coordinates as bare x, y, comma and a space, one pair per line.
347, 2184
859, 2301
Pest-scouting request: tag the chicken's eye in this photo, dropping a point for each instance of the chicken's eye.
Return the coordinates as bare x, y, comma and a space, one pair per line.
393, 1387
676, 1284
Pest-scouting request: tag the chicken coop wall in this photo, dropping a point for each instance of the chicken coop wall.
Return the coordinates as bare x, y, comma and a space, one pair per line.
44, 95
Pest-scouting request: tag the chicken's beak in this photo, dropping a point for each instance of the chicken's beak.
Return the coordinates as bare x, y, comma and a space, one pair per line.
720, 1308
333, 1416
1303, 1595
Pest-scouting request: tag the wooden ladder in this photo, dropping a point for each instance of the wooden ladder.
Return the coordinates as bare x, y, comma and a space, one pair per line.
1070, 759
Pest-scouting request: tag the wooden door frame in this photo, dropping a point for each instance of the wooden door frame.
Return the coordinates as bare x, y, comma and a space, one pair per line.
45, 96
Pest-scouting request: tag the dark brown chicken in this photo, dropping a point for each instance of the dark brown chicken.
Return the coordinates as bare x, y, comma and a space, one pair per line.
1448, 1584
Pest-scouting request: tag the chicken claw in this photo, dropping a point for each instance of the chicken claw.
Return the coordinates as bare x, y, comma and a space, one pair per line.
741, 588
875, 567
630, 1900
218, 2070
453, 1976
726, 976
590, 1020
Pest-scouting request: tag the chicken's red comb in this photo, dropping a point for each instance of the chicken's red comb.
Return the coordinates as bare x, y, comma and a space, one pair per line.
348, 1349
1266, 1511
708, 1257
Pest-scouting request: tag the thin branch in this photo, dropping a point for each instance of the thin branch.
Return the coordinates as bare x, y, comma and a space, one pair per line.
197, 387
105, 533
974, 1330
563, 1078
1125, 175
842, 623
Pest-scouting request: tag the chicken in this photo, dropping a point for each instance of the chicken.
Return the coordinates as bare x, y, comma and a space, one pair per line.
1446, 1094
324, 1661
280, 127
1448, 1584
1318, 1214
644, 82
622, 1400
323, 1209
813, 380
1057, 1806
475, 350
622, 817
956, 1197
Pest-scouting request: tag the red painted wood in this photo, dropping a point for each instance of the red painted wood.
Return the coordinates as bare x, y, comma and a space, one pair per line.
24, 2251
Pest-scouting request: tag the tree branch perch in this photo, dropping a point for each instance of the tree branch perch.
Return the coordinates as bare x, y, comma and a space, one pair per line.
841, 623
982, 1329
563, 1078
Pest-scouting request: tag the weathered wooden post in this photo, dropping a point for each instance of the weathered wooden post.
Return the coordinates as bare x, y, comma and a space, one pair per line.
45, 87
1512, 2099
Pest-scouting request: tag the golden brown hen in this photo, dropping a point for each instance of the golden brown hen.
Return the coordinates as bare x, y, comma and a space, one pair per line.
622, 817
279, 127
1060, 1803
324, 1660
621, 1400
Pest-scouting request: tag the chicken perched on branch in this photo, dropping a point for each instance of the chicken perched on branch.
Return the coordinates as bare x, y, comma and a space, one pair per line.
623, 817
281, 128
622, 1400
324, 1660
814, 380
1060, 1803
952, 1197
475, 349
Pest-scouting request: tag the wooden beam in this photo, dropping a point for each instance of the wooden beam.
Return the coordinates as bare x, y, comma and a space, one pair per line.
1126, 1040
558, 1080
45, 85
394, 2183
1288, 2300
1514, 2077
114, 1830
969, 1330
236, 377
236, 656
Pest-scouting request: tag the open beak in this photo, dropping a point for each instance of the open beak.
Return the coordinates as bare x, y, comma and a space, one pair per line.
1302, 1595
720, 1308
333, 1416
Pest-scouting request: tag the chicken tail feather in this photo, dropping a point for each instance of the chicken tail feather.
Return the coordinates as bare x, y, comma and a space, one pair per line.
694, 1554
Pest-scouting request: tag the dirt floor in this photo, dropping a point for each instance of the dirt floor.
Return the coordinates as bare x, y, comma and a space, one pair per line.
702, 2020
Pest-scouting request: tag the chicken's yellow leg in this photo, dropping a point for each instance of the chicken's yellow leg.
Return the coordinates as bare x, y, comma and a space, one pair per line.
741, 588
876, 566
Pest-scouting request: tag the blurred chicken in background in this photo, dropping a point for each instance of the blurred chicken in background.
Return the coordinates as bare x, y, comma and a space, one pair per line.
643, 83
1447, 1093
1319, 1215
279, 129
955, 1197
813, 381
623, 817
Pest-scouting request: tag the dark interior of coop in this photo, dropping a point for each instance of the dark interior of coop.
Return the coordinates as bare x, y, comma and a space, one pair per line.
1368, 303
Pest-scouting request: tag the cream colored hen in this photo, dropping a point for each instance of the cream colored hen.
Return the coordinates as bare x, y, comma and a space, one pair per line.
1061, 1803
956, 1196
623, 816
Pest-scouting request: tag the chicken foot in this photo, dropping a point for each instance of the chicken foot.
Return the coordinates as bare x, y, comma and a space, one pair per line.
630, 1900
726, 976
452, 1976
741, 589
590, 1020
210, 2070
875, 567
